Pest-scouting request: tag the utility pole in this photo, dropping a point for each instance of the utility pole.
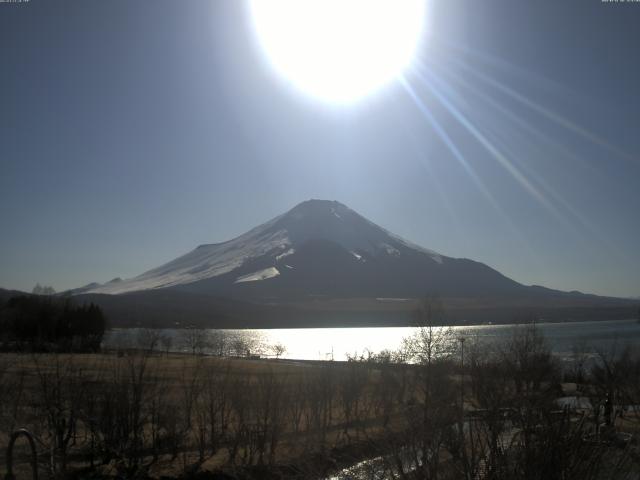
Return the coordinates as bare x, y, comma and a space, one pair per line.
463, 447
461, 340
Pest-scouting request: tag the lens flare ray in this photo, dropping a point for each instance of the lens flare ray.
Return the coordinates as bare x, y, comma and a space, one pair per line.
547, 113
489, 146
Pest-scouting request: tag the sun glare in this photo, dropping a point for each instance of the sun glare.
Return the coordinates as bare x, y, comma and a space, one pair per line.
339, 50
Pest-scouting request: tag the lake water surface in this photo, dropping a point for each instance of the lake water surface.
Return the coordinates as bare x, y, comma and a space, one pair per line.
339, 343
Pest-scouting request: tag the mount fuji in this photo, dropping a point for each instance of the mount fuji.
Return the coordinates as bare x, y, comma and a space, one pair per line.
319, 247
323, 264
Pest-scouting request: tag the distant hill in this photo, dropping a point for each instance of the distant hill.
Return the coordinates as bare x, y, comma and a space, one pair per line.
7, 294
175, 309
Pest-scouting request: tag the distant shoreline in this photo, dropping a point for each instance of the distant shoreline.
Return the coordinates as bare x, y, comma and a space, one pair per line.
540, 322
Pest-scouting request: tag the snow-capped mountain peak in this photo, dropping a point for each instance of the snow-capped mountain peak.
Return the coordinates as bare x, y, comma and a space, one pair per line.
269, 244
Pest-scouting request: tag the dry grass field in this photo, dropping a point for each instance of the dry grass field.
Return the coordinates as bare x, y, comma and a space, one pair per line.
175, 412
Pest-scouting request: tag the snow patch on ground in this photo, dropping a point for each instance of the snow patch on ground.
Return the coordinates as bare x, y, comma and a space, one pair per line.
259, 275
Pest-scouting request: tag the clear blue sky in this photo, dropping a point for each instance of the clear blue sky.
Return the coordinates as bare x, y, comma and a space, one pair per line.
132, 131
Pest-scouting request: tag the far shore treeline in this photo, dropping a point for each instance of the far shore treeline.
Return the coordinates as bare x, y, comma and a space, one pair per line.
49, 323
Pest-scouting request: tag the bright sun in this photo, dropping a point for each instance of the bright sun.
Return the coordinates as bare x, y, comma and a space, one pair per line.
339, 50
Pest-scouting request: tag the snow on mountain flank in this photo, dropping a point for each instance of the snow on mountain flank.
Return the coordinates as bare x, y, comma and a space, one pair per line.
358, 257
390, 250
285, 254
259, 275
204, 262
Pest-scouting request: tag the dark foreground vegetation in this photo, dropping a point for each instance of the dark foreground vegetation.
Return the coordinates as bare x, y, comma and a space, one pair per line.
47, 323
427, 411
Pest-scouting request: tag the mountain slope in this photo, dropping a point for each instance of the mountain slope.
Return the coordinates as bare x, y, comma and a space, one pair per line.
318, 248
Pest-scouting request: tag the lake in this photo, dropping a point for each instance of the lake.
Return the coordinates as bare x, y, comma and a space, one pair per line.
339, 343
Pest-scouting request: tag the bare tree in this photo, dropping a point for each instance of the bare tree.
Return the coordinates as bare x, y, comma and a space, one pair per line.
43, 290
148, 339
60, 396
278, 349
351, 384
166, 340
195, 339
12, 392
219, 340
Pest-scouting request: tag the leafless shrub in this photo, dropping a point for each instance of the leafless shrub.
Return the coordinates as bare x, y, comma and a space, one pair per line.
60, 395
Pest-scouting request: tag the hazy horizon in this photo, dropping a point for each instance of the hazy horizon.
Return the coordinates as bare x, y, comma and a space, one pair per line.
133, 132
